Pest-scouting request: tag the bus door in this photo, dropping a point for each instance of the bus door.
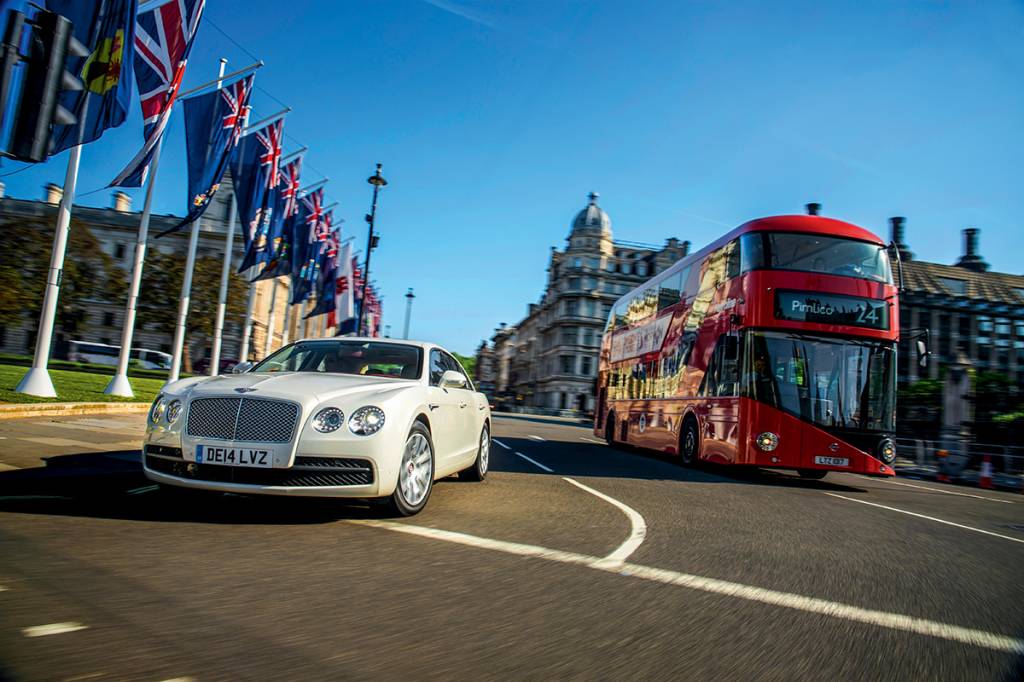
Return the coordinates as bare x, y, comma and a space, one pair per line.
720, 388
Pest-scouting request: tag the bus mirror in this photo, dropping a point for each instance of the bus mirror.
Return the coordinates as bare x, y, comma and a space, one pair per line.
922, 353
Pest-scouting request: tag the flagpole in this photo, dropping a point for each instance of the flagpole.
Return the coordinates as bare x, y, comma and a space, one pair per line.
186, 282
250, 310
271, 319
286, 334
222, 299
37, 380
119, 384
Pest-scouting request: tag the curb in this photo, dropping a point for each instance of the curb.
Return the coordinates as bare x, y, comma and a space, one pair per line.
25, 410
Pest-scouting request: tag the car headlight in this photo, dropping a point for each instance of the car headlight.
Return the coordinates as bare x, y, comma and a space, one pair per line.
173, 411
366, 421
768, 441
157, 410
887, 450
328, 419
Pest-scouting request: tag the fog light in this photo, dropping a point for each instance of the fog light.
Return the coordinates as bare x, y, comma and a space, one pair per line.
887, 451
768, 441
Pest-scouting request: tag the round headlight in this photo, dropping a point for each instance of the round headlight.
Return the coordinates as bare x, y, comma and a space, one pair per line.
173, 411
887, 450
328, 419
157, 410
768, 441
366, 421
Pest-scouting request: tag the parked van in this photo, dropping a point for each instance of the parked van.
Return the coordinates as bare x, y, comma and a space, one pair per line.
105, 354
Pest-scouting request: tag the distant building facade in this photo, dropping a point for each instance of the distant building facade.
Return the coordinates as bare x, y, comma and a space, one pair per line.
548, 360
116, 230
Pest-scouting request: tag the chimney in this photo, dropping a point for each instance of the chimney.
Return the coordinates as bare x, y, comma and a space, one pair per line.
53, 193
897, 230
122, 202
971, 259
686, 248
813, 209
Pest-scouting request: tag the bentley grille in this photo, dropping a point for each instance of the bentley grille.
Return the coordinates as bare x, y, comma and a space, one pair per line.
243, 419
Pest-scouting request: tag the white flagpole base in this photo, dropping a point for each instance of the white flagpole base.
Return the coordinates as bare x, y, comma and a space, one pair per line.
119, 386
37, 382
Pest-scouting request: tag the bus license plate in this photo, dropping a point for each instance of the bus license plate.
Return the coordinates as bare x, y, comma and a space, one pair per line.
832, 461
240, 457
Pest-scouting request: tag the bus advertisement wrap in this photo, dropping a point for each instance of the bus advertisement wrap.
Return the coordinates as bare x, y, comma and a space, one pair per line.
630, 343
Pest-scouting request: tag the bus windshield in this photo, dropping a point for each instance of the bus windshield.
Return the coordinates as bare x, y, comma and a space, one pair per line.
816, 253
830, 382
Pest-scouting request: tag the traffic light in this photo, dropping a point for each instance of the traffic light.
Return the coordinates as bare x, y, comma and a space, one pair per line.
52, 41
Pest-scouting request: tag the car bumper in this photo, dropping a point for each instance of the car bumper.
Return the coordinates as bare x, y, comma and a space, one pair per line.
350, 491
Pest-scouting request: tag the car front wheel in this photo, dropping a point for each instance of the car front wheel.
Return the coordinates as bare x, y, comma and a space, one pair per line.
478, 471
415, 475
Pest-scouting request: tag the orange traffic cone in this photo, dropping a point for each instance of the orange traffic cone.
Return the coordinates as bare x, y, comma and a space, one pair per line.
985, 480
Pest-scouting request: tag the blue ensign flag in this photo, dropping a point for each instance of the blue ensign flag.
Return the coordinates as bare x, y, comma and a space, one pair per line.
255, 175
107, 30
327, 276
213, 126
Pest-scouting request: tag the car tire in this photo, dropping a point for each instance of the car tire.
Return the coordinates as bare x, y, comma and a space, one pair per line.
689, 443
478, 471
415, 482
812, 474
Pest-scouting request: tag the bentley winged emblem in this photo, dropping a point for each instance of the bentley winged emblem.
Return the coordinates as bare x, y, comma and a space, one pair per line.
244, 390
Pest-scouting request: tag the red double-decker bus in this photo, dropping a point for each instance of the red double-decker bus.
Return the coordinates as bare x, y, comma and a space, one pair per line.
775, 346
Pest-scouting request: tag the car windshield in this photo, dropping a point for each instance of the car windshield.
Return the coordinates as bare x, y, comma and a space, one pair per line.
828, 255
367, 358
830, 382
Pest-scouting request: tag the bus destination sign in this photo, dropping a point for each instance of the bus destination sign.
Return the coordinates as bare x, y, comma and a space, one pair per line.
851, 311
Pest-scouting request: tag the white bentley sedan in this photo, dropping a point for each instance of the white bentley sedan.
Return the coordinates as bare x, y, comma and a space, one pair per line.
344, 417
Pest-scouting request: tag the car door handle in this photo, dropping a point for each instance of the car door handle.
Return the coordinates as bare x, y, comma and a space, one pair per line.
462, 405
433, 406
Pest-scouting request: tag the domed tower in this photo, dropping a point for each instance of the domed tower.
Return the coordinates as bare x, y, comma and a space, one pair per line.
592, 229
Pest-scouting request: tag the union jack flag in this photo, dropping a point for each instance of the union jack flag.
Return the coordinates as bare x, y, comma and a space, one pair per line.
333, 241
163, 40
290, 190
314, 203
237, 97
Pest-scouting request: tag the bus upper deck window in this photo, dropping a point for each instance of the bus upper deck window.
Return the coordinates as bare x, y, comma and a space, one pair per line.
751, 251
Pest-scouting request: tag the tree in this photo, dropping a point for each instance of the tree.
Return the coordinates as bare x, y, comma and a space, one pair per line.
468, 363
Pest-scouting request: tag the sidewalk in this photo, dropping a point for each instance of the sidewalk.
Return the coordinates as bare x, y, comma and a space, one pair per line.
969, 477
27, 443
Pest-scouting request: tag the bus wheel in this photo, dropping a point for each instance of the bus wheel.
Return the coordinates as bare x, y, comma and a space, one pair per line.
689, 443
609, 428
813, 474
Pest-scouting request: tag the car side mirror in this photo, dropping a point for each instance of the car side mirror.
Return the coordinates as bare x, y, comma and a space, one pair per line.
453, 379
241, 367
922, 353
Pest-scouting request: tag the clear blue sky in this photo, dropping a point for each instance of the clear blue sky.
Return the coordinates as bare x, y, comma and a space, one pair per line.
493, 121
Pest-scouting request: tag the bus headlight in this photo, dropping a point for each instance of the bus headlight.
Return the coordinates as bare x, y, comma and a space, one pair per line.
768, 441
887, 451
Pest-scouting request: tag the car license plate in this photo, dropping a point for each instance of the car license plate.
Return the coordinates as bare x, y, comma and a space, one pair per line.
832, 461
239, 457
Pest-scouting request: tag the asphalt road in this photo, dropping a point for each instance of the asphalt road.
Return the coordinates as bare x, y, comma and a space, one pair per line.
573, 560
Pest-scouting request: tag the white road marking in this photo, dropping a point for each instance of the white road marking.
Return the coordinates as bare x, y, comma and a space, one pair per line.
2, 588
535, 463
939, 490
638, 527
592, 440
5, 498
495, 440
930, 518
537, 438
52, 629
7, 467
143, 490
894, 621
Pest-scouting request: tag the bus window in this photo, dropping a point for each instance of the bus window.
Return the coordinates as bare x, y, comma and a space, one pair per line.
732, 259
723, 374
671, 290
751, 251
829, 255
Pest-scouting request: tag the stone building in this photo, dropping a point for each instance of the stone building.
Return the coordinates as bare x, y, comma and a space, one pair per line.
550, 356
964, 306
116, 229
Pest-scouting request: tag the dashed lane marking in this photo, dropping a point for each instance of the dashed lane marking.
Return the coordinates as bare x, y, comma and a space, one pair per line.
143, 490
53, 629
638, 527
930, 518
532, 437
495, 440
592, 440
824, 607
3, 588
535, 463
939, 490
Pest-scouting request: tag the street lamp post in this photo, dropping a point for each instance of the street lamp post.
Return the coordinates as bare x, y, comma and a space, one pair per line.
378, 181
408, 312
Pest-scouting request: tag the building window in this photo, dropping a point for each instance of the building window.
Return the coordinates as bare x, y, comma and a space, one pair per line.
957, 287
586, 365
572, 307
574, 284
108, 319
119, 251
984, 323
577, 262
594, 263
588, 337
569, 335
567, 363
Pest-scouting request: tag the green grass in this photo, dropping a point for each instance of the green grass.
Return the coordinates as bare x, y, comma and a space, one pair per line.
74, 387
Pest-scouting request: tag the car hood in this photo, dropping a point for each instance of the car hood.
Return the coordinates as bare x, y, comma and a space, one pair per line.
301, 386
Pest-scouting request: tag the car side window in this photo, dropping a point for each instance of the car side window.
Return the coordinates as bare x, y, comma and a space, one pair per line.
437, 367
